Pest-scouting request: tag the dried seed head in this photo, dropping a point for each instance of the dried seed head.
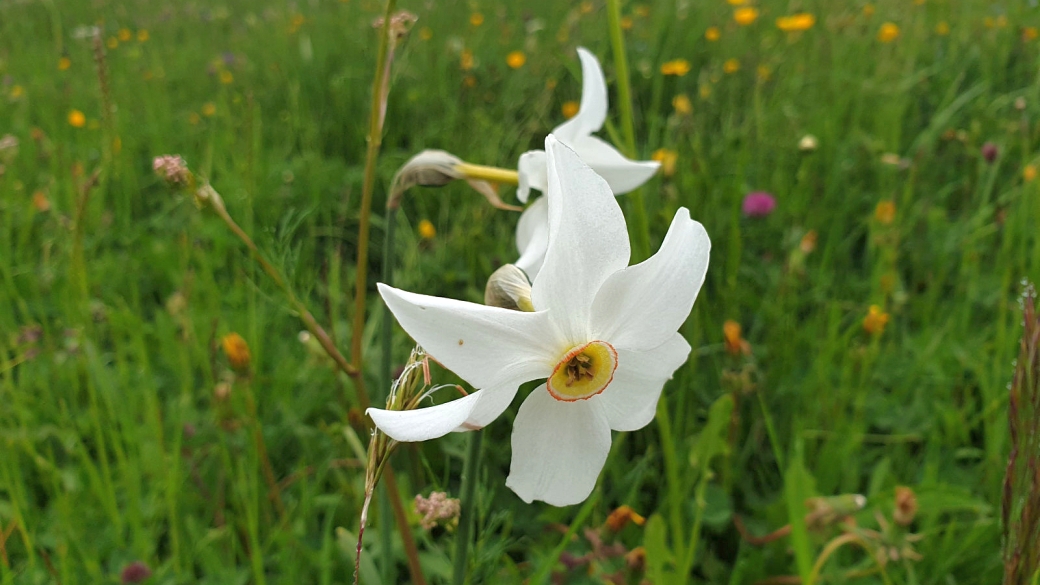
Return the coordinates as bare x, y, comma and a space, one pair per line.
906, 506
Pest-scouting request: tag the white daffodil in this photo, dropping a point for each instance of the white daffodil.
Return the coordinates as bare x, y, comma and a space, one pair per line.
603, 335
621, 174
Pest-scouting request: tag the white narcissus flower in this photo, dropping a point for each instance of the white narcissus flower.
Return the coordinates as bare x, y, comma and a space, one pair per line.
622, 174
603, 335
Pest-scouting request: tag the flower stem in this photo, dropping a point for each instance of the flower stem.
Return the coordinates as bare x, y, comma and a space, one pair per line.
375, 139
640, 229
493, 174
470, 472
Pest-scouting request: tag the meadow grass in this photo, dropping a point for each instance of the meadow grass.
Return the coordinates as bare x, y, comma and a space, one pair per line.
126, 435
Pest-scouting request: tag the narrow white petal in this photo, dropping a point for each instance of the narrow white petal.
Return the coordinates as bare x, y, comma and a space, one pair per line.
424, 424
593, 110
588, 242
622, 174
631, 399
531, 173
492, 403
559, 448
532, 237
642, 306
486, 346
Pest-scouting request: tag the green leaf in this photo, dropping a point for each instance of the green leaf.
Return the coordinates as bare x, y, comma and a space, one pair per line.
658, 556
797, 489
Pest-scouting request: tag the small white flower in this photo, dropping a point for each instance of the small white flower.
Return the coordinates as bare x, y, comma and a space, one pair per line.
604, 336
622, 174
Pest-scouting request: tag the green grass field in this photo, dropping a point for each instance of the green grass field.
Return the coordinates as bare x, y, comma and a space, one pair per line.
126, 435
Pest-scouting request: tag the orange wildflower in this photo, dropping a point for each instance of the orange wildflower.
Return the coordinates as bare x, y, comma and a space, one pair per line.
796, 22
677, 67
745, 16
875, 321
621, 516
570, 109
712, 34
888, 32
237, 351
885, 212
516, 59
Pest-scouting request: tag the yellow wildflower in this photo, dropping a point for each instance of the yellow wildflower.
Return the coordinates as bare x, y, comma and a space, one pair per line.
626, 22
16, 92
868, 9
1002, 21
988, 22
77, 119
875, 321
40, 201
64, 63
425, 33
731, 66
885, 212
678, 67
570, 109
763, 72
623, 515
745, 16
1029, 33
733, 340
426, 230
888, 32
516, 59
712, 34
808, 243
208, 109
466, 60
942, 29
705, 92
112, 42
796, 22
125, 34
142, 35
737, 2
667, 158
237, 351
1029, 173
469, 81
682, 104
476, 19
226, 77
194, 119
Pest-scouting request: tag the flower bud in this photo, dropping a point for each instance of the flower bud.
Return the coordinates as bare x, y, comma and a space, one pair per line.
436, 168
990, 151
508, 288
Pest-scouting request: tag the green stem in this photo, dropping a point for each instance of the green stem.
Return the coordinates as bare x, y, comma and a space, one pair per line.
639, 228
470, 471
375, 139
676, 495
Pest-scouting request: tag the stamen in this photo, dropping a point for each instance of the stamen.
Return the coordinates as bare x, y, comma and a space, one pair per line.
583, 372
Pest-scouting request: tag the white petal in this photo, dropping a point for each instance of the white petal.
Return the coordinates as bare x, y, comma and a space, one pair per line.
486, 346
532, 237
559, 448
531, 173
588, 242
593, 110
631, 399
641, 306
622, 174
423, 424
492, 403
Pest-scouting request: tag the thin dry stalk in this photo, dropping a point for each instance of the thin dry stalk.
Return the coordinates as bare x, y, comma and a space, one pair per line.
1020, 506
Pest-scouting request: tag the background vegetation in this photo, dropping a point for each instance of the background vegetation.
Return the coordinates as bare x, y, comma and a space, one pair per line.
126, 435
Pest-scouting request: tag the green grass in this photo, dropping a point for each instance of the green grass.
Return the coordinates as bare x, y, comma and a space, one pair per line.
115, 448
